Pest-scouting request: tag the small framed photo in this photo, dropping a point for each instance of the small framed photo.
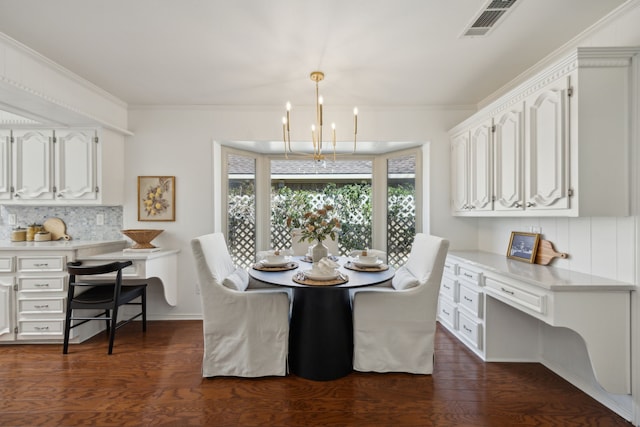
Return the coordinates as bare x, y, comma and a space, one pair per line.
523, 246
156, 198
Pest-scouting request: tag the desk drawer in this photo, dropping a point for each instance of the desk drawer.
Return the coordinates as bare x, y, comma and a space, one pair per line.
44, 283
36, 263
447, 312
470, 329
450, 267
470, 275
42, 305
470, 299
517, 295
30, 329
448, 287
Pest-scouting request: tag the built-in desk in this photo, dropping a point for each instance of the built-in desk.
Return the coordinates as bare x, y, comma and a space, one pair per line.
152, 267
493, 304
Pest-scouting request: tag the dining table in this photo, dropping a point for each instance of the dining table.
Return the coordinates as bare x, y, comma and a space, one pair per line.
321, 324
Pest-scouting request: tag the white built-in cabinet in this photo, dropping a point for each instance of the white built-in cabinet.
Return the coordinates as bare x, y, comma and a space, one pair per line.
67, 166
471, 157
5, 164
7, 310
557, 145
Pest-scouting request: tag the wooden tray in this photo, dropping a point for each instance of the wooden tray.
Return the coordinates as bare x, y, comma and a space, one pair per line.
288, 266
546, 253
299, 278
57, 228
352, 266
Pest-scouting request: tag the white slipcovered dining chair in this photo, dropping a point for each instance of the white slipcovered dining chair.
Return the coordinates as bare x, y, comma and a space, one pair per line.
246, 332
394, 326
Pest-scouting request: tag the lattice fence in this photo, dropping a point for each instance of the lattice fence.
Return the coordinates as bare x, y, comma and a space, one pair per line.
401, 228
242, 229
355, 232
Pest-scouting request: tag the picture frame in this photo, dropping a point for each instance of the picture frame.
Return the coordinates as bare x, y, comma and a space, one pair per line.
523, 246
156, 198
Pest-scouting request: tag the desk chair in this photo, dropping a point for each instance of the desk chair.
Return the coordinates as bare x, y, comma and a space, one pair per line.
101, 294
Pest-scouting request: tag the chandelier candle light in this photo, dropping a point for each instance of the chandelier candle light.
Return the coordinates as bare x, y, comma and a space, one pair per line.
316, 129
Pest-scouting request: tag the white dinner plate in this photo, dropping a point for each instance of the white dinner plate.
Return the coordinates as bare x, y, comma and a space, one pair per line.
319, 276
367, 264
274, 264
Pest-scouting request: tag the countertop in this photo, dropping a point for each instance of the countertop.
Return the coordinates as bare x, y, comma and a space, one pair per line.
543, 276
57, 245
132, 254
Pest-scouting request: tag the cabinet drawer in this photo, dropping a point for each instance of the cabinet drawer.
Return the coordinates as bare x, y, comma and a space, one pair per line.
35, 263
450, 267
448, 287
6, 264
517, 295
469, 275
31, 328
470, 299
447, 312
32, 284
470, 329
43, 305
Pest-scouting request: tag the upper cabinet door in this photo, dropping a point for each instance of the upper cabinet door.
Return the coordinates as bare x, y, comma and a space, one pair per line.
481, 169
5, 165
508, 140
75, 165
547, 151
32, 167
460, 172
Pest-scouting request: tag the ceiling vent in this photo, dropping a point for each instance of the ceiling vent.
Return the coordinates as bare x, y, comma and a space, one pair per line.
488, 17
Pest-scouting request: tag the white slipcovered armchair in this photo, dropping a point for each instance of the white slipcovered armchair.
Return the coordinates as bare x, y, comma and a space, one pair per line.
246, 332
394, 326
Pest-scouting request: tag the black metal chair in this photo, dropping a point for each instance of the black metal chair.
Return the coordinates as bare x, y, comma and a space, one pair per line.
102, 294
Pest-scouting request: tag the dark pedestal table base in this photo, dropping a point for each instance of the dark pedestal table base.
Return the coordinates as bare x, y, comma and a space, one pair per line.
321, 333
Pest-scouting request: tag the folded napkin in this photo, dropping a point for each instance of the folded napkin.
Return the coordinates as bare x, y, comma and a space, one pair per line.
326, 267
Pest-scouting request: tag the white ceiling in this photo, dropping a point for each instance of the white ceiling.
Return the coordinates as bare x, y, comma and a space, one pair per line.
259, 52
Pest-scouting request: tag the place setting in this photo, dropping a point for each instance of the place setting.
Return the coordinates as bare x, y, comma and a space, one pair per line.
324, 273
275, 261
366, 261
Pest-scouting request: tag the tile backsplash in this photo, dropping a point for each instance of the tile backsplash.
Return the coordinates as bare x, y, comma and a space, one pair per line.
80, 220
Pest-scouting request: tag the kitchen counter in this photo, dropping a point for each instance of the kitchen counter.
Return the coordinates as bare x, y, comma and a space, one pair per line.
62, 245
543, 276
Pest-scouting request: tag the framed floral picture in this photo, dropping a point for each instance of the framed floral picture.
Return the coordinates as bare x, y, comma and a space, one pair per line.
156, 198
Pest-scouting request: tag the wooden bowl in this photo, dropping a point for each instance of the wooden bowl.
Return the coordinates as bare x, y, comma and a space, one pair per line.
142, 238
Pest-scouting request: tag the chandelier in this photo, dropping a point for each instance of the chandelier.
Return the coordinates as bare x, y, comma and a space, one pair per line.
319, 149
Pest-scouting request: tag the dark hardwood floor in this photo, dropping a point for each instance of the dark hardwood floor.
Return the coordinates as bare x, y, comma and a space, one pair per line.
154, 380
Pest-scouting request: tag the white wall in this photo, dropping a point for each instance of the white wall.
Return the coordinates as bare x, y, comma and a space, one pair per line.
178, 142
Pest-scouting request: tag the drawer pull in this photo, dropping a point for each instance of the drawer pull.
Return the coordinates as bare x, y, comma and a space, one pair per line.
468, 275
445, 312
44, 264
41, 328
40, 285
446, 286
41, 306
466, 328
507, 291
468, 299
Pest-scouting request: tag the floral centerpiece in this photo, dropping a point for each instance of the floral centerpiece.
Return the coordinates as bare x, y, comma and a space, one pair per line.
318, 225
